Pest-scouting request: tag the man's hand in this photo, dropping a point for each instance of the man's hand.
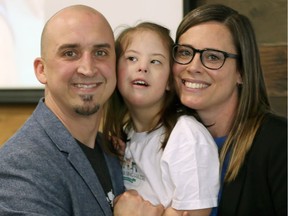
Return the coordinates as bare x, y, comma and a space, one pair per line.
173, 212
130, 203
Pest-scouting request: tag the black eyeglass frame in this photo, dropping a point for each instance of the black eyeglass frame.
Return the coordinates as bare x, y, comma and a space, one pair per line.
226, 55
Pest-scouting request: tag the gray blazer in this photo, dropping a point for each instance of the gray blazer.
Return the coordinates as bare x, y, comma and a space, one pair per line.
43, 171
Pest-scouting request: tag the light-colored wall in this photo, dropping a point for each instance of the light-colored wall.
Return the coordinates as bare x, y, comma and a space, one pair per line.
21, 23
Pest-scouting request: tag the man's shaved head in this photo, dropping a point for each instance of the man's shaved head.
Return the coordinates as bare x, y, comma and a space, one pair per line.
78, 60
64, 16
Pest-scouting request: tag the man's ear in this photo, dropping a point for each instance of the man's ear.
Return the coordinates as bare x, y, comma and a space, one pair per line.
39, 70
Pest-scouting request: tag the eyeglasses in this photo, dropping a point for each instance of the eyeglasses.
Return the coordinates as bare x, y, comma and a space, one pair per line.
210, 58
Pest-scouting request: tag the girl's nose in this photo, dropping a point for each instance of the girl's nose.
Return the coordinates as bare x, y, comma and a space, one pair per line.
142, 70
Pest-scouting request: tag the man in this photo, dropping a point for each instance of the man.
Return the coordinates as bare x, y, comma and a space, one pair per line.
54, 165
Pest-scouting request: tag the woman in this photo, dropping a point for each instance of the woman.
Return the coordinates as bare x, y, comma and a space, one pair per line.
218, 73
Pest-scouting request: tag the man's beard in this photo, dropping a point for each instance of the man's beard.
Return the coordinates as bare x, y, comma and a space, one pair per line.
87, 110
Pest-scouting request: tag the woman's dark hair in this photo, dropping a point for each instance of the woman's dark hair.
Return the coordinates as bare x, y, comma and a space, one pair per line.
253, 101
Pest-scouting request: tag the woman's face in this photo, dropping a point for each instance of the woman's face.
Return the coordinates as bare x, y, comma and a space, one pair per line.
201, 88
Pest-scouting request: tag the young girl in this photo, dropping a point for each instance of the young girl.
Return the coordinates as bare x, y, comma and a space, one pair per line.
170, 158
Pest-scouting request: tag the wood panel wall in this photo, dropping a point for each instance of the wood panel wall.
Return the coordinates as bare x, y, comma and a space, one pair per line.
269, 19
12, 116
274, 63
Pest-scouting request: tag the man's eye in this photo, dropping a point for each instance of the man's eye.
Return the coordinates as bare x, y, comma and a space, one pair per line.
70, 53
100, 53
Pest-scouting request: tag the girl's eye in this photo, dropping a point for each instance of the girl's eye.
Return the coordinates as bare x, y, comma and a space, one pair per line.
155, 62
131, 58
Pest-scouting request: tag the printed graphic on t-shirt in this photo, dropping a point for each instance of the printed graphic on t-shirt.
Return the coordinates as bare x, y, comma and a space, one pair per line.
131, 174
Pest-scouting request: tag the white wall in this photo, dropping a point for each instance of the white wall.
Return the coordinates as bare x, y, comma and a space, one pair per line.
21, 23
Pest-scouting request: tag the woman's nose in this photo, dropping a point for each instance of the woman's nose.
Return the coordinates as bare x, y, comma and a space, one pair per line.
196, 62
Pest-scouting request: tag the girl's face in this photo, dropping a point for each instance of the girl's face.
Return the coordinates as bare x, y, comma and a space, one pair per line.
143, 70
201, 88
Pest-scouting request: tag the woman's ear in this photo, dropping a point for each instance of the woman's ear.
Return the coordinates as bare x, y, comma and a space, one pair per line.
168, 83
39, 70
167, 87
239, 78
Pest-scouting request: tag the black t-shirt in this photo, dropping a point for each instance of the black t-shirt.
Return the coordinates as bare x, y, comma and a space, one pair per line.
98, 163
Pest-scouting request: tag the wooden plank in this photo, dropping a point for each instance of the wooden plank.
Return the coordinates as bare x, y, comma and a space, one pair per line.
274, 63
279, 105
268, 17
12, 118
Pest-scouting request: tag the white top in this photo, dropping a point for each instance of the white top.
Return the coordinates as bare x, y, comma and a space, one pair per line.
184, 176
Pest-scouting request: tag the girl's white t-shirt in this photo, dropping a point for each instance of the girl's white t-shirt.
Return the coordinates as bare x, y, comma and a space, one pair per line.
184, 176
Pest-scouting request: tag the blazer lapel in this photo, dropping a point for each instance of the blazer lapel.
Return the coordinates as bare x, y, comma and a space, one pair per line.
83, 167
66, 143
232, 190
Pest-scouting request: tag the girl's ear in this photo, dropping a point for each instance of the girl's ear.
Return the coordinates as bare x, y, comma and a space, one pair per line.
39, 70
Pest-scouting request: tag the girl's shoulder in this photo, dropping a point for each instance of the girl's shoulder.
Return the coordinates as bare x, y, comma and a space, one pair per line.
189, 124
188, 119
